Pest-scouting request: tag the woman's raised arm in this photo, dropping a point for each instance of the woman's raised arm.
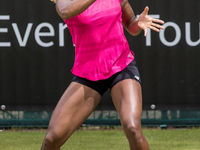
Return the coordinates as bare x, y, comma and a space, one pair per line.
70, 8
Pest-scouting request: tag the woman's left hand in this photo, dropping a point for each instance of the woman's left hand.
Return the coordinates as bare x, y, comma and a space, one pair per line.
145, 22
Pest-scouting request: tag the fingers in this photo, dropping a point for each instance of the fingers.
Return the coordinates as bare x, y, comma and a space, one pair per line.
148, 22
146, 10
157, 26
145, 32
158, 21
154, 28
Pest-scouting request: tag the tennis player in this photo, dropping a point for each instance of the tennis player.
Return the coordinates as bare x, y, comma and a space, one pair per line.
103, 60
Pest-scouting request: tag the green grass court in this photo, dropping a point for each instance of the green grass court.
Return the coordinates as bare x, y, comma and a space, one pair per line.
176, 139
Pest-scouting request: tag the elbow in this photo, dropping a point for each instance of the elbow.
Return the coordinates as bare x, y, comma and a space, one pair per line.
63, 13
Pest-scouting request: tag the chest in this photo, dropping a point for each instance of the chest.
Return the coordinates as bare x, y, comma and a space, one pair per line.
102, 6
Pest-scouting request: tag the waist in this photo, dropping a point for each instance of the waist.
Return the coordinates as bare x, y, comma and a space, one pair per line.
101, 67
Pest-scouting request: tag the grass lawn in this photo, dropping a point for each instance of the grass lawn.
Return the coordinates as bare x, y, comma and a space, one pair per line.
182, 139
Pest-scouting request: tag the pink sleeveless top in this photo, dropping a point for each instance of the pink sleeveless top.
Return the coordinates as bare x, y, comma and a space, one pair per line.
101, 48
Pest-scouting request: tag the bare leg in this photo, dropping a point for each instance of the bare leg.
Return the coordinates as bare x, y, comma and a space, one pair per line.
74, 107
127, 99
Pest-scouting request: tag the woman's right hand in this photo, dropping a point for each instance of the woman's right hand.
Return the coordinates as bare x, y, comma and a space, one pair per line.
146, 22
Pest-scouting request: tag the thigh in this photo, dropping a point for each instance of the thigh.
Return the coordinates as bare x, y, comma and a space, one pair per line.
127, 98
74, 107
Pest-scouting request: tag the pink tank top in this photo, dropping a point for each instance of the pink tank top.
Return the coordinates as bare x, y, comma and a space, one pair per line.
101, 48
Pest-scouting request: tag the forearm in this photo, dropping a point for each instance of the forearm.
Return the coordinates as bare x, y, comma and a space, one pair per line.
70, 8
129, 20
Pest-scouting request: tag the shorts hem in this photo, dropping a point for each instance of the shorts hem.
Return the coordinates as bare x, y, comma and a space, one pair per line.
125, 79
92, 87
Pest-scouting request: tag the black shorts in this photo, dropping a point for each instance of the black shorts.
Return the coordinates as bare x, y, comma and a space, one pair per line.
101, 86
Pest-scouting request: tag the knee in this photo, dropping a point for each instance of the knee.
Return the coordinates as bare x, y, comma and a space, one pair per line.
133, 131
51, 141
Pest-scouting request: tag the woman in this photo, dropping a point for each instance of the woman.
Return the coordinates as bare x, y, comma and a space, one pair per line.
102, 60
